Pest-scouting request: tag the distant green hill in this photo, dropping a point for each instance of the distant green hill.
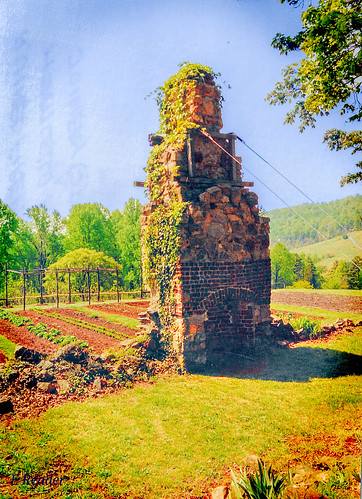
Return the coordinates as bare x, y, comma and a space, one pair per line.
286, 227
329, 254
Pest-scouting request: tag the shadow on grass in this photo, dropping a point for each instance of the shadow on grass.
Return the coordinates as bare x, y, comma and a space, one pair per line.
295, 364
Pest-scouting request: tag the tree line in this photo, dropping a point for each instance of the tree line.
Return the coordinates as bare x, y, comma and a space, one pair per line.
303, 271
287, 228
90, 235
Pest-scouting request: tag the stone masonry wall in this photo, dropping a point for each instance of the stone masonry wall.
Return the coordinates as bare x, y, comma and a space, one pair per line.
223, 293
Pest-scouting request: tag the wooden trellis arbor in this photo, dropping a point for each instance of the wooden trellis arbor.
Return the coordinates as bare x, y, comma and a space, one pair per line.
41, 273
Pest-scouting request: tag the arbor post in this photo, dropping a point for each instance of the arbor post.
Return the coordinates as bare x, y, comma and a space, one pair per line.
24, 290
98, 286
41, 286
69, 287
89, 292
117, 284
56, 279
141, 283
6, 286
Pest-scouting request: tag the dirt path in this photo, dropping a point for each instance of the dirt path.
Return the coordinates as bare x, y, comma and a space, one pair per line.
337, 303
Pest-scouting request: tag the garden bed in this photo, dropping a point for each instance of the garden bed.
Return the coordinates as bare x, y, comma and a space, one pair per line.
21, 336
97, 340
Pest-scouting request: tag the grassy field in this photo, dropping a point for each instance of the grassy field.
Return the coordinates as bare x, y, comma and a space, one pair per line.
336, 292
329, 254
179, 437
7, 347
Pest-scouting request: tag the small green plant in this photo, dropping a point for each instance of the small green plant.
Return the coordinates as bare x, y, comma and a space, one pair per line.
338, 481
13, 318
263, 485
79, 381
86, 325
312, 327
40, 329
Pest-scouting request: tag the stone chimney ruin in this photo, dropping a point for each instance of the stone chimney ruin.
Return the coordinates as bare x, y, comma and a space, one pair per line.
220, 286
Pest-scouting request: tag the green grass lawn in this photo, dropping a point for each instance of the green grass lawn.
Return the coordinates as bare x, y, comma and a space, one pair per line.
7, 346
178, 437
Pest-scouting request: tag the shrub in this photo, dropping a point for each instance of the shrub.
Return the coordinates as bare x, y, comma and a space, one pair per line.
301, 285
264, 485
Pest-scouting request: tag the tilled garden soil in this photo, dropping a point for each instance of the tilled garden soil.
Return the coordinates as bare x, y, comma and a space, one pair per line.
97, 321
129, 309
21, 336
338, 303
98, 341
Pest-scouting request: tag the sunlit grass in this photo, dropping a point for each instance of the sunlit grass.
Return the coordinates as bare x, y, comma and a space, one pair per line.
175, 437
348, 342
328, 253
7, 346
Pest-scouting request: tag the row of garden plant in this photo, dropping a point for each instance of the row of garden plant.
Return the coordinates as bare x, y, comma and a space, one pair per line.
87, 325
41, 330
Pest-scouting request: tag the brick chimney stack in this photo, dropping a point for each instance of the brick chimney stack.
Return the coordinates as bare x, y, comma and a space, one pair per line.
222, 295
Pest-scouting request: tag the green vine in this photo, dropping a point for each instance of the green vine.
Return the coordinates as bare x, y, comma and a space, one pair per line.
162, 242
161, 237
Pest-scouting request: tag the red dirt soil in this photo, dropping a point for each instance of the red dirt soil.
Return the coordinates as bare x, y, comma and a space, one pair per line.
338, 303
21, 336
98, 341
97, 321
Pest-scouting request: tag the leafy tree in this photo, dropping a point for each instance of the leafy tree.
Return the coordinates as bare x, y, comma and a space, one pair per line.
298, 267
81, 258
354, 274
127, 228
89, 226
336, 277
329, 74
311, 274
25, 252
282, 263
287, 228
8, 226
337, 140
47, 235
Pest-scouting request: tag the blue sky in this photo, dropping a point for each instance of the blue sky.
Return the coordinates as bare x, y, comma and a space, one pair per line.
73, 80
